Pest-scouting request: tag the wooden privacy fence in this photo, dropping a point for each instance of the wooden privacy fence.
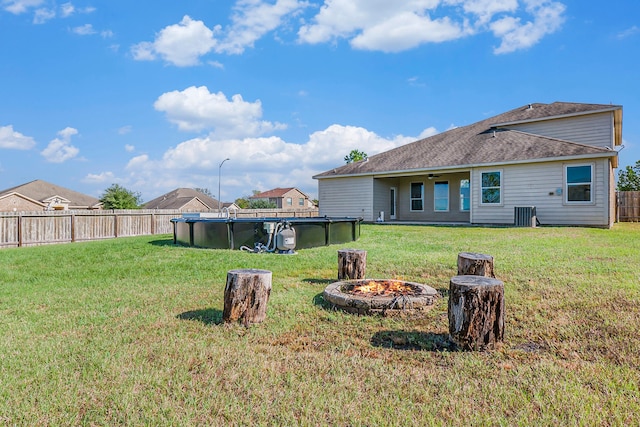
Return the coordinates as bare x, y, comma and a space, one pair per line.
628, 206
48, 227
43, 228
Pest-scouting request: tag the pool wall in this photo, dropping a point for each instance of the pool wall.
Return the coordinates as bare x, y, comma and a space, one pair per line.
234, 233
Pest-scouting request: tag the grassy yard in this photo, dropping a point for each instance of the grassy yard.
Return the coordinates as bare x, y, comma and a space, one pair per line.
129, 332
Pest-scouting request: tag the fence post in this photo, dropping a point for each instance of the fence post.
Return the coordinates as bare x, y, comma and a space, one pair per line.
20, 230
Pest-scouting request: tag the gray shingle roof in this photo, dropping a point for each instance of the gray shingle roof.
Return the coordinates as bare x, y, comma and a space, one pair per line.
478, 144
179, 197
41, 190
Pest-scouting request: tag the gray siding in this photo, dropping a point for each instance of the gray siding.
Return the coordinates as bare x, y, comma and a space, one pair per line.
454, 214
352, 197
593, 129
536, 185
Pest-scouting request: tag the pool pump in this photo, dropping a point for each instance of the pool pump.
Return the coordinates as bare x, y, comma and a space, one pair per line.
281, 240
286, 239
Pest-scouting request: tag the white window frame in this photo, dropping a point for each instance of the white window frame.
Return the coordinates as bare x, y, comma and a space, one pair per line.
411, 198
462, 198
289, 201
500, 188
435, 198
590, 183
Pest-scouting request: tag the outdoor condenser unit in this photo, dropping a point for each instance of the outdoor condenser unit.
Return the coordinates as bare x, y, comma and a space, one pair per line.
525, 216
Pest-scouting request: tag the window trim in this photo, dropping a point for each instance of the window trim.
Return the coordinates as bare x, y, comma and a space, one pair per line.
461, 206
411, 199
592, 199
434, 197
501, 188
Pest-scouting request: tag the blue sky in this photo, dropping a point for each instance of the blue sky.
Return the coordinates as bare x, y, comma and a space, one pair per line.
154, 95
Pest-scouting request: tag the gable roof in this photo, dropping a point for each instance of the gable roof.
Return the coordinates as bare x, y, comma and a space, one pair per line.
483, 143
179, 197
276, 193
42, 191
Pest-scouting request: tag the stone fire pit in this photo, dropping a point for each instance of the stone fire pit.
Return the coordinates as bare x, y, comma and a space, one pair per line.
380, 296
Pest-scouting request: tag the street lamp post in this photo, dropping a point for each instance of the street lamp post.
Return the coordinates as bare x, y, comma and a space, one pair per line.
219, 172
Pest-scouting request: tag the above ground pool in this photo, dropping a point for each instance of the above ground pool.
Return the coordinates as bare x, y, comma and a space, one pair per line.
264, 234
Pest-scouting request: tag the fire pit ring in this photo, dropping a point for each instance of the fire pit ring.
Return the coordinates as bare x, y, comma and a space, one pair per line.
380, 296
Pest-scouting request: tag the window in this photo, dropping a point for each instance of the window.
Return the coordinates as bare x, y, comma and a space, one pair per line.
300, 202
465, 195
441, 196
578, 180
417, 196
289, 201
491, 188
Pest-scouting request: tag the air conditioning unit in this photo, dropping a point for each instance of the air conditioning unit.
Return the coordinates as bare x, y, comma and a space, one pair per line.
525, 216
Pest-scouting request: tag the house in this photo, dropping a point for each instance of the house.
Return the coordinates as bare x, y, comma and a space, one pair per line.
40, 195
285, 198
559, 158
187, 200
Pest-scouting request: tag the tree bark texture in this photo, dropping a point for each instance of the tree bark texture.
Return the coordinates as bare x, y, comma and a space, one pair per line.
474, 264
476, 312
246, 296
352, 264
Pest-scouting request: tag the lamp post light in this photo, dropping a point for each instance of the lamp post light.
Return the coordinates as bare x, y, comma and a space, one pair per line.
219, 172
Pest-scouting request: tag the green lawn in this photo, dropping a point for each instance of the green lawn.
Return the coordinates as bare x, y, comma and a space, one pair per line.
129, 332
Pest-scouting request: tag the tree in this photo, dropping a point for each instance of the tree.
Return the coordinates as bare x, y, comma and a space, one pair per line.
355, 156
204, 191
261, 204
118, 197
629, 178
242, 202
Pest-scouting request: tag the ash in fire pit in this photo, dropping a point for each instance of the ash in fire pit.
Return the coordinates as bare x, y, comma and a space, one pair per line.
386, 297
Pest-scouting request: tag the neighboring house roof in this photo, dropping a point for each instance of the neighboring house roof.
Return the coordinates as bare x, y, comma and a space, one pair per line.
43, 192
276, 193
484, 143
179, 198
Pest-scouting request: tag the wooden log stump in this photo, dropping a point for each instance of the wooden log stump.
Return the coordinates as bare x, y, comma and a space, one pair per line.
474, 264
352, 264
476, 312
246, 296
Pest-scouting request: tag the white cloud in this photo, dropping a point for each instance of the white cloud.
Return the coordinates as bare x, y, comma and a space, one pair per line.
100, 178
181, 44
9, 138
196, 109
515, 35
20, 6
41, 16
256, 163
84, 30
384, 26
253, 19
398, 26
485, 10
67, 9
60, 149
129, 148
632, 31
125, 130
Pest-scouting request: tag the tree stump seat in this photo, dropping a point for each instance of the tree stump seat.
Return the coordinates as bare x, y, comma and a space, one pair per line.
352, 264
475, 264
476, 312
246, 295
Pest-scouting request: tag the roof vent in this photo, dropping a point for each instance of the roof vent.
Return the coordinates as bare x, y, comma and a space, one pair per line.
530, 107
494, 133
